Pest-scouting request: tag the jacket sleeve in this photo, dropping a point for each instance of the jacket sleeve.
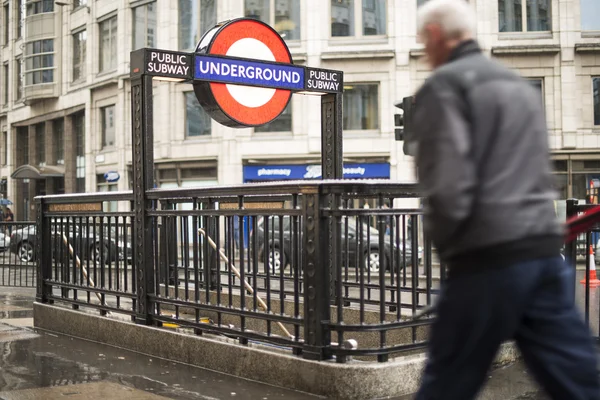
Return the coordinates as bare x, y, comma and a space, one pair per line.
444, 166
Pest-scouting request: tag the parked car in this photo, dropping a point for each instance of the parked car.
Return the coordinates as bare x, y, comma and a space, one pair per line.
4, 242
278, 255
23, 243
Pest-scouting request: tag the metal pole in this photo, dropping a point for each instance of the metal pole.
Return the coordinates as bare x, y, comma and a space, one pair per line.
331, 136
332, 159
571, 247
44, 259
317, 337
143, 180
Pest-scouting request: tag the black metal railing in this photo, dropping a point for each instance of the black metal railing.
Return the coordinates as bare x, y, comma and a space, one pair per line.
586, 291
301, 265
84, 253
17, 254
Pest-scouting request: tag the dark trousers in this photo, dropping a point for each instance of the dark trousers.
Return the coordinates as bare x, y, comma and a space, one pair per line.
530, 302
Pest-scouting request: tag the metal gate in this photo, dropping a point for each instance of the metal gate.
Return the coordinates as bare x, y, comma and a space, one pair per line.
18, 256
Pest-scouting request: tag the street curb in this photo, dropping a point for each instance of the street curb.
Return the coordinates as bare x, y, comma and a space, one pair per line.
353, 380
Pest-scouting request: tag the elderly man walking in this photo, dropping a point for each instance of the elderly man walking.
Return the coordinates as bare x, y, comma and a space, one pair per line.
482, 159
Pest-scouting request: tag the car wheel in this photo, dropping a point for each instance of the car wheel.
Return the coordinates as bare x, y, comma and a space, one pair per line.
26, 252
97, 255
276, 260
371, 261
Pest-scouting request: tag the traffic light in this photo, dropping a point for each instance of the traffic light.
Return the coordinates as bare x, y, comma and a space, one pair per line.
403, 122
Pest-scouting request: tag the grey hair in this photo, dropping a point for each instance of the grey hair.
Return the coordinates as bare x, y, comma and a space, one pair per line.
455, 17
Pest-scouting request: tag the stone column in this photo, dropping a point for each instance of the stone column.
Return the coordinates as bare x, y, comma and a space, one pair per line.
34, 162
50, 153
70, 156
50, 146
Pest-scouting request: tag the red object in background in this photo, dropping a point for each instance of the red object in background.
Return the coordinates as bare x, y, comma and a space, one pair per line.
582, 223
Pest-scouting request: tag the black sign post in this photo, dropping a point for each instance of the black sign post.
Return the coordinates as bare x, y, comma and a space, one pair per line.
202, 69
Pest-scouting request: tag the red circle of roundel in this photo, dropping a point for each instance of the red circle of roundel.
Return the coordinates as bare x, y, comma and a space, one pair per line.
224, 39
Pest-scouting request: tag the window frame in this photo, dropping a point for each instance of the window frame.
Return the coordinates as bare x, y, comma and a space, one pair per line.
103, 126
199, 20
6, 22
40, 4
139, 6
258, 131
19, 79
590, 32
379, 103
82, 56
78, 124
186, 136
525, 28
271, 21
20, 10
543, 87
40, 145
596, 116
41, 69
358, 23
103, 66
59, 145
5, 85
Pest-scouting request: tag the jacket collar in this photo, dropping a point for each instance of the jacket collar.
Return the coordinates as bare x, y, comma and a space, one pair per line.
463, 49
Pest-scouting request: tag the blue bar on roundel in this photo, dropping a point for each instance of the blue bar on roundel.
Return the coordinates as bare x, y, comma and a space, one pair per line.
244, 72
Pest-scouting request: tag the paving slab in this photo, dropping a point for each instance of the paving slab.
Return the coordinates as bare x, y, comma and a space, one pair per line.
85, 391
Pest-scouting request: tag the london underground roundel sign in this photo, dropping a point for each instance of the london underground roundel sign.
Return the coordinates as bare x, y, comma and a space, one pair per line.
245, 103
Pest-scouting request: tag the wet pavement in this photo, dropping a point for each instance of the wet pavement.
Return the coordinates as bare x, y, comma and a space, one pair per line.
41, 365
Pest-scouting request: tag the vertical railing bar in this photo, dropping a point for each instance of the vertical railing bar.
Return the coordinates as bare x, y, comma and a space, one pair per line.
195, 257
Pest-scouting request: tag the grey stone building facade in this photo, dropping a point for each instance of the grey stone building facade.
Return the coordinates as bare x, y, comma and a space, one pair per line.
65, 93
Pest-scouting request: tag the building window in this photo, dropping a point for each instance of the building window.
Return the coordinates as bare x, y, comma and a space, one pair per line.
538, 83
283, 123
6, 19
4, 148
197, 121
79, 133
144, 22
5, 84
39, 62
108, 44
20, 6
369, 15
103, 187
58, 130
79, 58
524, 15
282, 15
39, 7
361, 107
40, 145
108, 126
18, 79
195, 18
23, 148
590, 15
596, 91
79, 3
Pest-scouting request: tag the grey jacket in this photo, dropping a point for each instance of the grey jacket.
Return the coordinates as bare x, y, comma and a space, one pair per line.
483, 162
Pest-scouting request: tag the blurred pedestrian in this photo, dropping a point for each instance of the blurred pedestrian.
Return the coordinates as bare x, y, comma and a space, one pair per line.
9, 217
483, 163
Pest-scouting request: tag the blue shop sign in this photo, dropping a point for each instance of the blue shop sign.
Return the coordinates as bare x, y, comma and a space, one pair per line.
299, 172
112, 176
